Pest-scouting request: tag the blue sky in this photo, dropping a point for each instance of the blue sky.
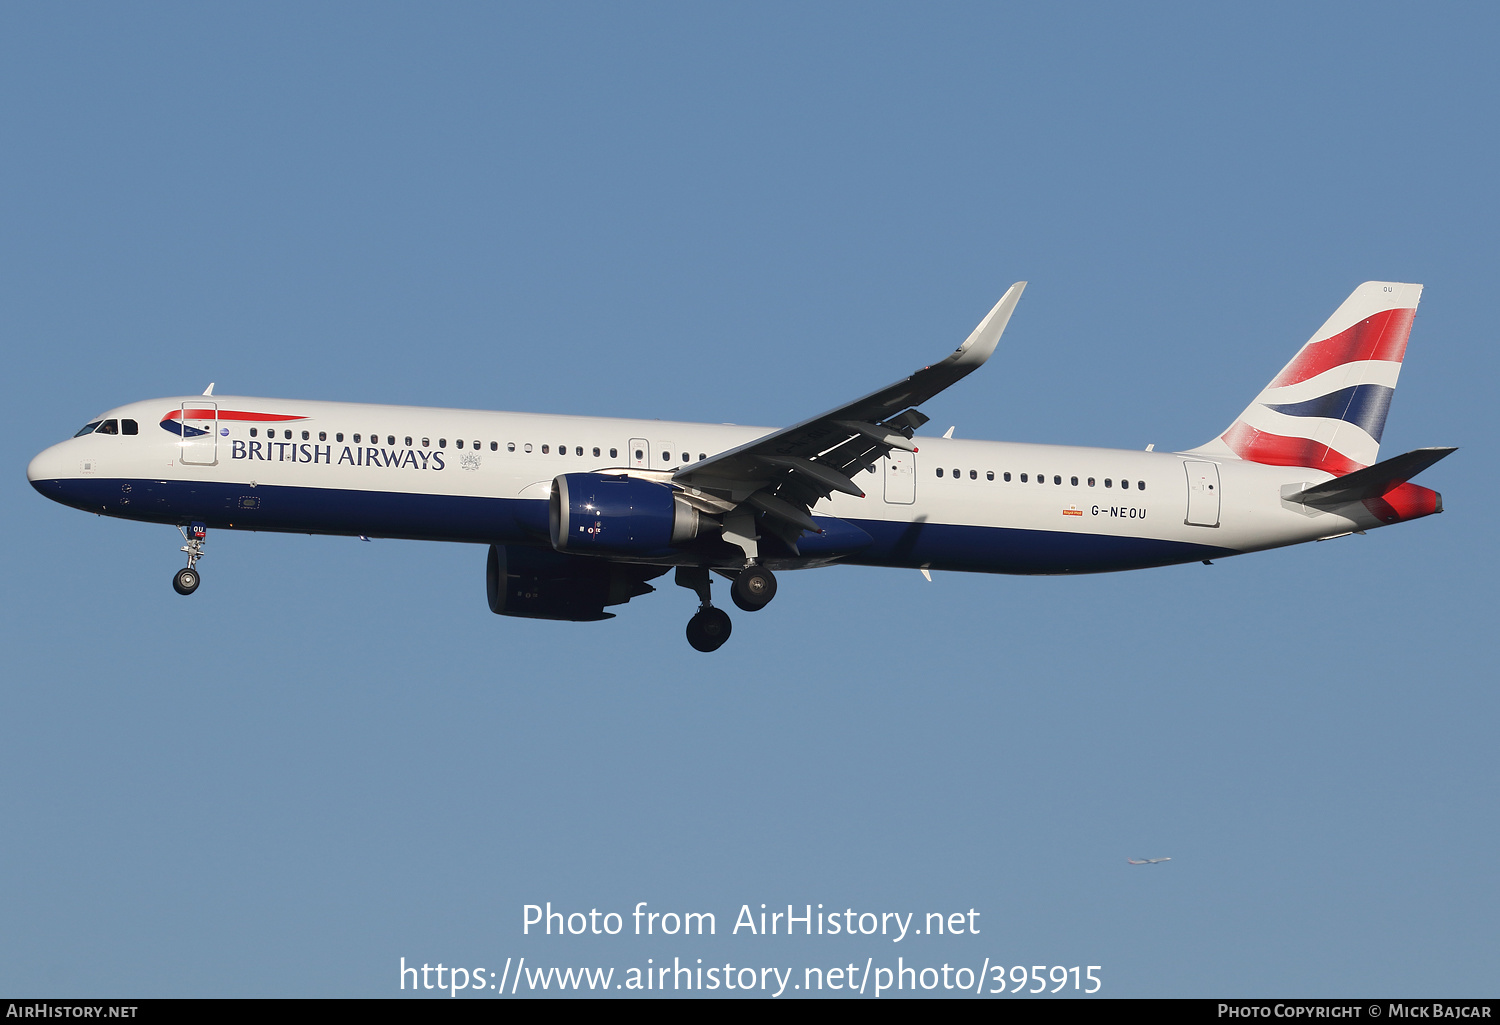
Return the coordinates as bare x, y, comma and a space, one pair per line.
334, 756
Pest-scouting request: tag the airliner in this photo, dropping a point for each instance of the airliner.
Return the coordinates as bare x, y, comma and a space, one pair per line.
580, 513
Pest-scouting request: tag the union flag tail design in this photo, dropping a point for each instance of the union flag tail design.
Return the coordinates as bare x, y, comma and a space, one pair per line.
1326, 409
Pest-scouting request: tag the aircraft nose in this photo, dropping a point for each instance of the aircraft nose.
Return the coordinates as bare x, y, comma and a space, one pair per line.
46, 470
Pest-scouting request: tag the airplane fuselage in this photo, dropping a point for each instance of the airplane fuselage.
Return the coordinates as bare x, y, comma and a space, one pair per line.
485, 477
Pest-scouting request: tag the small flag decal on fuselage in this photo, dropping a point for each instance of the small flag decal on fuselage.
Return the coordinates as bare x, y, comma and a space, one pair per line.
1072, 510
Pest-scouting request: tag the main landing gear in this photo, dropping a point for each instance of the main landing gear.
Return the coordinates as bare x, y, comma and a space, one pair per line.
709, 628
753, 589
186, 579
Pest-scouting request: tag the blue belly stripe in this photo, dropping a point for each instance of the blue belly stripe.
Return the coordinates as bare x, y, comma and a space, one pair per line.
463, 518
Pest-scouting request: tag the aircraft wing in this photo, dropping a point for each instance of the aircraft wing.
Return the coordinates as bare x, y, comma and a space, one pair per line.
784, 474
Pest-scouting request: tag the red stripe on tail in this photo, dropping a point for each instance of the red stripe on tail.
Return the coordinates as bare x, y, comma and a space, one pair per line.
1381, 336
1262, 447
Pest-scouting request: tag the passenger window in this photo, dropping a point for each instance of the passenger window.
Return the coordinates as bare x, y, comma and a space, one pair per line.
426, 442
390, 439
306, 436
510, 446
356, 437
704, 455
578, 450
1007, 475
88, 428
129, 427
408, 441
528, 446
1125, 484
442, 443
614, 453
459, 443
1108, 483
990, 475
109, 427
685, 457
288, 435
596, 451
639, 454
1140, 485
1041, 478
1091, 482
322, 435
1075, 481
252, 434
939, 471
955, 475
546, 450
340, 436
666, 457
973, 474
1023, 478
1056, 478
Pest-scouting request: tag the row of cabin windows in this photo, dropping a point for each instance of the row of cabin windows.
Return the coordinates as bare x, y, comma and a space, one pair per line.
374, 438
510, 446
1041, 478
131, 427
666, 457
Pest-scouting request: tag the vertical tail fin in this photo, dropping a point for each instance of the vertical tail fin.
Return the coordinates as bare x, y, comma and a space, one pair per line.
1327, 407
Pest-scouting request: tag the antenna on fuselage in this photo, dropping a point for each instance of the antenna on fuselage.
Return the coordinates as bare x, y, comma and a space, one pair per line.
210, 389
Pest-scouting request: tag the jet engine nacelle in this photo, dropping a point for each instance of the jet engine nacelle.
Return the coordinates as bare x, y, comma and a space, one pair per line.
535, 583
604, 514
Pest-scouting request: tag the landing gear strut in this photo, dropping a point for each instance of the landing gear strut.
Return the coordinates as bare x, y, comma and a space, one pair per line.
709, 628
753, 589
186, 579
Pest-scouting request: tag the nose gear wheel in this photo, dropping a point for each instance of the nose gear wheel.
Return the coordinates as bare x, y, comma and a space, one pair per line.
186, 580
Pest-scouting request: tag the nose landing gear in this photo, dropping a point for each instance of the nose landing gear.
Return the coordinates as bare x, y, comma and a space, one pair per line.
186, 580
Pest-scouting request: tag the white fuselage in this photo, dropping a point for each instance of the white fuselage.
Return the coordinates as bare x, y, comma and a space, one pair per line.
475, 476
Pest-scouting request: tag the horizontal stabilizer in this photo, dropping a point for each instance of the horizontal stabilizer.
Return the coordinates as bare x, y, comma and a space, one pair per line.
1372, 481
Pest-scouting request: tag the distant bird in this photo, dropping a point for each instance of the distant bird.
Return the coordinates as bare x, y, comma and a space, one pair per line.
1148, 861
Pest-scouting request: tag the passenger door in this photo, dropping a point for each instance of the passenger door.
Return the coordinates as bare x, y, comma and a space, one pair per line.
1203, 494
200, 433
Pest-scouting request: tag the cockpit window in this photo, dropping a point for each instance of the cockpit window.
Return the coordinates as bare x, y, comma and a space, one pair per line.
88, 428
109, 427
129, 427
